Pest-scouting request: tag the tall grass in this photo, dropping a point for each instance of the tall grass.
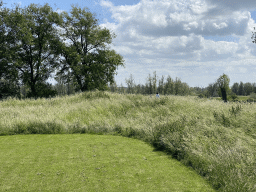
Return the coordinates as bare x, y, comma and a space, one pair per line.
217, 139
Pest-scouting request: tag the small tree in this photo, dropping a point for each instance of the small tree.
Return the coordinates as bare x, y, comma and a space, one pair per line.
223, 84
160, 88
169, 86
130, 84
241, 88
113, 87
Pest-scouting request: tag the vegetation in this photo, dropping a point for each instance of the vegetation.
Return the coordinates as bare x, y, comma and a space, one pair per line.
215, 139
223, 85
153, 85
37, 42
90, 163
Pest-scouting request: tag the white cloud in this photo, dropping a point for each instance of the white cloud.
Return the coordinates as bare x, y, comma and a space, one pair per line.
106, 4
166, 34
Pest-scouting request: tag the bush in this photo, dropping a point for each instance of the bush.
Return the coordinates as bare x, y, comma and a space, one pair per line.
43, 90
233, 97
9, 89
252, 97
201, 95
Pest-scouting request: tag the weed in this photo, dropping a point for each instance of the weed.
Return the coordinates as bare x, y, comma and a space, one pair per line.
235, 110
222, 118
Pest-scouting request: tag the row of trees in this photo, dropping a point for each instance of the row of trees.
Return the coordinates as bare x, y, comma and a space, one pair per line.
242, 89
153, 85
36, 42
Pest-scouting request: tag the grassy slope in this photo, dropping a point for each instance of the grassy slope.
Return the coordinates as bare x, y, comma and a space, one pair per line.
216, 139
90, 163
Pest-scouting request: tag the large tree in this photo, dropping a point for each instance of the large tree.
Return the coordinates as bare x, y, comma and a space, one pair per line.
31, 38
9, 82
86, 51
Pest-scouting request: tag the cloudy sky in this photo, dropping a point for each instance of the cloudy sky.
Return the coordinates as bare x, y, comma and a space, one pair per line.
195, 40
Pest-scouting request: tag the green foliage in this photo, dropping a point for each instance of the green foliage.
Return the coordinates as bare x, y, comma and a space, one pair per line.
252, 97
88, 56
223, 85
201, 95
235, 110
223, 81
9, 89
30, 43
155, 85
130, 84
233, 97
34, 38
43, 90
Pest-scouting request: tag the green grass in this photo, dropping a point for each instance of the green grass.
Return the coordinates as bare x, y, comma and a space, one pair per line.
216, 139
90, 163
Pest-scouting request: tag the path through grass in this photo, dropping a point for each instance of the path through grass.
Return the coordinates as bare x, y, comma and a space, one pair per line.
90, 163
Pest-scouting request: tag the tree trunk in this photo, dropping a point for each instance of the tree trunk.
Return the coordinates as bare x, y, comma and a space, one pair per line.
224, 94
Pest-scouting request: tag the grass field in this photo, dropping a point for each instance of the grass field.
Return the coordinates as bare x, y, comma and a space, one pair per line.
90, 163
216, 139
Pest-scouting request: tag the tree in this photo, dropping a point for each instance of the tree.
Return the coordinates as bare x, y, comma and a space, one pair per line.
177, 86
223, 84
254, 87
113, 87
130, 84
31, 39
86, 50
64, 85
9, 89
169, 86
234, 88
241, 88
248, 89
212, 90
154, 81
160, 88
9, 84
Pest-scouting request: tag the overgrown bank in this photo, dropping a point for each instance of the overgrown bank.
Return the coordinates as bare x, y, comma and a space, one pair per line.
216, 139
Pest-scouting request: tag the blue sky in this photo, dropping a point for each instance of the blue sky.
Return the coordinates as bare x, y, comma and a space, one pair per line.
195, 40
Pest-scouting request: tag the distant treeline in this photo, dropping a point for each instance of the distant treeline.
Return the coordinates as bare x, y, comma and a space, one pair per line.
154, 84
174, 86
241, 89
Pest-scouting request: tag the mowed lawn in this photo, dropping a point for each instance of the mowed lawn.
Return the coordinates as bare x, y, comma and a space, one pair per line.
82, 162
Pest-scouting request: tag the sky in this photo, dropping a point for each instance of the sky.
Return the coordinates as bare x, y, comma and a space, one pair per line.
194, 40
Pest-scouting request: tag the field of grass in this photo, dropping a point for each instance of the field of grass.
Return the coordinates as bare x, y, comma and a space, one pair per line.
82, 162
216, 139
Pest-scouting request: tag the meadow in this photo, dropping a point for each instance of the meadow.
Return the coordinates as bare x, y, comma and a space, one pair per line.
216, 139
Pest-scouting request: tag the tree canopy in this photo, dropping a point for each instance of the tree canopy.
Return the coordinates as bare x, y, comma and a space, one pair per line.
86, 50
37, 42
223, 84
